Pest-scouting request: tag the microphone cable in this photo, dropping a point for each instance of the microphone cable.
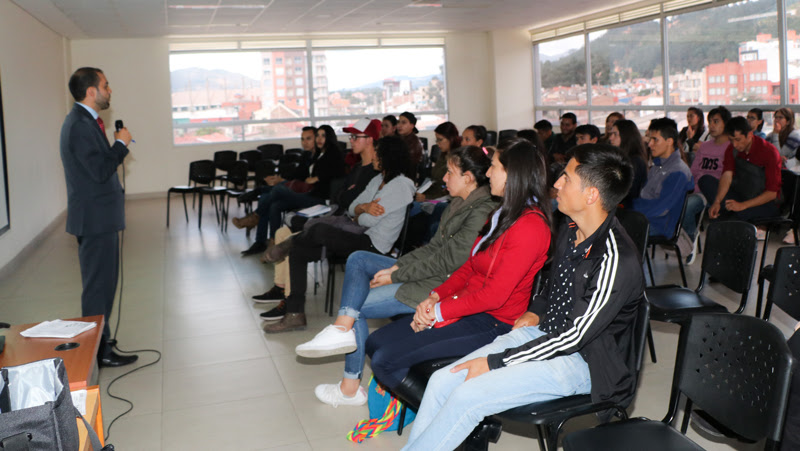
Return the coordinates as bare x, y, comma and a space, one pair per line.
116, 330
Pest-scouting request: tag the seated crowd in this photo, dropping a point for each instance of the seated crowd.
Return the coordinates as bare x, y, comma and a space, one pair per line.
492, 221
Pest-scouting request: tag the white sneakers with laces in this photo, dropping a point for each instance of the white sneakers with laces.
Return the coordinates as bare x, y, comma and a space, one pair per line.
333, 340
331, 394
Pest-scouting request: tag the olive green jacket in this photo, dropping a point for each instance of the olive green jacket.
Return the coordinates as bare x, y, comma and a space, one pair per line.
429, 266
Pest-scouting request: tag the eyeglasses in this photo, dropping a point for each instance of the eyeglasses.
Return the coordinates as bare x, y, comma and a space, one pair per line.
355, 137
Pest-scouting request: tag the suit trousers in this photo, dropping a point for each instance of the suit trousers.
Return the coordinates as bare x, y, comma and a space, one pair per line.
99, 260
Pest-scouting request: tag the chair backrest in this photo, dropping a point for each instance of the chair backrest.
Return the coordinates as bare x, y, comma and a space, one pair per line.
506, 134
271, 151
293, 150
636, 226
736, 368
202, 172
289, 170
676, 232
401, 240
491, 138
730, 254
784, 290
790, 185
237, 174
251, 156
263, 169
342, 146
435, 152
424, 142
291, 157
224, 158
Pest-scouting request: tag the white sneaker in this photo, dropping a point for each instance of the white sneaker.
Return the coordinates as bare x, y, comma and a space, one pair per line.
331, 394
333, 340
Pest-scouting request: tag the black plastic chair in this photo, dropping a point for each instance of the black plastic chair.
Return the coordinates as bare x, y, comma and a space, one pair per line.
790, 215
729, 257
736, 368
265, 168
491, 138
271, 151
506, 134
342, 146
252, 157
424, 142
223, 159
237, 176
784, 288
670, 241
201, 172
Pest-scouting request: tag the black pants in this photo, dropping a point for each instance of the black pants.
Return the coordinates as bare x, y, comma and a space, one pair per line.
307, 247
99, 260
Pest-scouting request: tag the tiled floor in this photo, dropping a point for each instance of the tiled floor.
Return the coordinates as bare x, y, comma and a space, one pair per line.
222, 383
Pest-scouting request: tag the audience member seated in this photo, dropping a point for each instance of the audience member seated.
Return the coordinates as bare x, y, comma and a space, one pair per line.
662, 196
474, 135
611, 119
565, 140
694, 133
326, 165
587, 134
785, 138
481, 300
406, 128
533, 137
545, 130
307, 143
568, 342
377, 286
755, 117
363, 136
389, 126
625, 135
447, 138
707, 163
378, 211
751, 177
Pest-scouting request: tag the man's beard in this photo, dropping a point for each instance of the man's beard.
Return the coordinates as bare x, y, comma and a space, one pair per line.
103, 103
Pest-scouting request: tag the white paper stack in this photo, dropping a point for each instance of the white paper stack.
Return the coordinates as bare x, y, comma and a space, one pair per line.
316, 210
58, 329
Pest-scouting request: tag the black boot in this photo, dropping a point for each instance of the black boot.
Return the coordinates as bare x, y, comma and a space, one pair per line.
256, 248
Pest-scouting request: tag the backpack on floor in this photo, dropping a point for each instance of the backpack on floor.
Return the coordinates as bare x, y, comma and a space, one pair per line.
384, 414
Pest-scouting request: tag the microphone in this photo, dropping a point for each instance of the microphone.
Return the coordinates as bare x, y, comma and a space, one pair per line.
118, 124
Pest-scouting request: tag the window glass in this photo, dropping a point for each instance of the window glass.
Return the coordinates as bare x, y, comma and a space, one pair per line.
563, 71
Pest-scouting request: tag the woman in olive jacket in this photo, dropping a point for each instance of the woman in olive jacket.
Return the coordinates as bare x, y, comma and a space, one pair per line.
377, 286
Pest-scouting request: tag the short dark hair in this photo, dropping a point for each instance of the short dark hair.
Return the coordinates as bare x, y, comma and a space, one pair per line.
666, 127
588, 129
391, 118
544, 124
479, 131
570, 116
394, 157
83, 79
532, 136
606, 168
737, 124
722, 112
759, 115
309, 128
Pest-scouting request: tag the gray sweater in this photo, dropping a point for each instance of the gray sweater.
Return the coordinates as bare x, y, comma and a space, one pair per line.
394, 197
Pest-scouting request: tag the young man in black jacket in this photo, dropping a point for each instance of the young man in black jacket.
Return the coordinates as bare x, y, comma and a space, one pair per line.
565, 344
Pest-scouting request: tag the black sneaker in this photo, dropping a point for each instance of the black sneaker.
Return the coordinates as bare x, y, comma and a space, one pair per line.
256, 248
274, 294
277, 313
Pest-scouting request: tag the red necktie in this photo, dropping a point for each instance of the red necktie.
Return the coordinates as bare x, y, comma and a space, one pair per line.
101, 124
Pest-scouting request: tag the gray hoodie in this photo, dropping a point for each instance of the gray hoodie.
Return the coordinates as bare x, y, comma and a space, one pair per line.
394, 197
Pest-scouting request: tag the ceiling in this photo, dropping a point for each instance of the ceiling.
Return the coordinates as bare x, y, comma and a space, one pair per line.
81, 19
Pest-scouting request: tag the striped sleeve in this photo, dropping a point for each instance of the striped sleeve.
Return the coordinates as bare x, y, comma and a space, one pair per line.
592, 312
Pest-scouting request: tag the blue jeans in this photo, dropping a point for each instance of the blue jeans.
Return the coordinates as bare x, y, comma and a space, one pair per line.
360, 303
694, 206
451, 408
708, 184
395, 347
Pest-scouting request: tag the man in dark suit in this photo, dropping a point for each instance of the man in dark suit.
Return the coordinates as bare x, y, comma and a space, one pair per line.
95, 199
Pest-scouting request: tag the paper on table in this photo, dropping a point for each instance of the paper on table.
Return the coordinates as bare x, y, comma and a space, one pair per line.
79, 400
316, 210
58, 329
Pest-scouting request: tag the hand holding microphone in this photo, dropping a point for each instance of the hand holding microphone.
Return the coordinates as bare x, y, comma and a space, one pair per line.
122, 133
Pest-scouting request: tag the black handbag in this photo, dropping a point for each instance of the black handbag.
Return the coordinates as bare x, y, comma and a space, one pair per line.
36, 410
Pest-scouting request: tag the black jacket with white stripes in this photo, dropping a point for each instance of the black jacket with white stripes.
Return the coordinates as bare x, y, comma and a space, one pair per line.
607, 286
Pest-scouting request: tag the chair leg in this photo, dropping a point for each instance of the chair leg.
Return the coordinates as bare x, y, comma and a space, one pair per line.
167, 209
680, 266
540, 436
185, 210
759, 297
402, 420
651, 344
200, 211
650, 269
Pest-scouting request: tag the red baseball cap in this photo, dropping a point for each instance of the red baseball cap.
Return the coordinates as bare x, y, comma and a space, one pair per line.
371, 128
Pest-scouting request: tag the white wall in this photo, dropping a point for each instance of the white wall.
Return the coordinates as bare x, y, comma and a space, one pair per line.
32, 72
138, 72
513, 78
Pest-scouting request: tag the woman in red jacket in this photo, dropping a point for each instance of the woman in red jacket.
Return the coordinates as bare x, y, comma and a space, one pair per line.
482, 299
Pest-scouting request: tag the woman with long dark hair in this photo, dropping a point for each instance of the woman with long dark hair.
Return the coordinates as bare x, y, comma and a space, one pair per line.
694, 133
785, 137
485, 296
447, 138
389, 125
377, 286
625, 135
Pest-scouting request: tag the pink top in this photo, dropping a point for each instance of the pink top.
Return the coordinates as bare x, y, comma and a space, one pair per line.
708, 161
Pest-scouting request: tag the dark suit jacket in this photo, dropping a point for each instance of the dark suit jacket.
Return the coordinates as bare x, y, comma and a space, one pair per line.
95, 200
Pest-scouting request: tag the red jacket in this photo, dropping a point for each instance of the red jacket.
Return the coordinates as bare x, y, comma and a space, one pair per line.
507, 290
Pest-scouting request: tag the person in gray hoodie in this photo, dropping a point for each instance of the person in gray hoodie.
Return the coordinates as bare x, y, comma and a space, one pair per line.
379, 211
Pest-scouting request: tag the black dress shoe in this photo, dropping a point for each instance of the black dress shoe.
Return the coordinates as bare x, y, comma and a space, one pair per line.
111, 342
113, 360
256, 248
275, 294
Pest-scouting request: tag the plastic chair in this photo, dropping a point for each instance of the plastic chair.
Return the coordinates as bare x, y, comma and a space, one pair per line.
506, 134
729, 257
734, 367
201, 172
252, 157
424, 142
671, 241
237, 176
784, 288
271, 151
223, 159
491, 138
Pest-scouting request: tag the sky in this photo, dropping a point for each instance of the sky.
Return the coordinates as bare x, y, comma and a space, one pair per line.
346, 68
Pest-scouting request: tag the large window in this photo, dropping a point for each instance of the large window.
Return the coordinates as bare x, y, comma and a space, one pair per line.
728, 53
252, 95
563, 64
